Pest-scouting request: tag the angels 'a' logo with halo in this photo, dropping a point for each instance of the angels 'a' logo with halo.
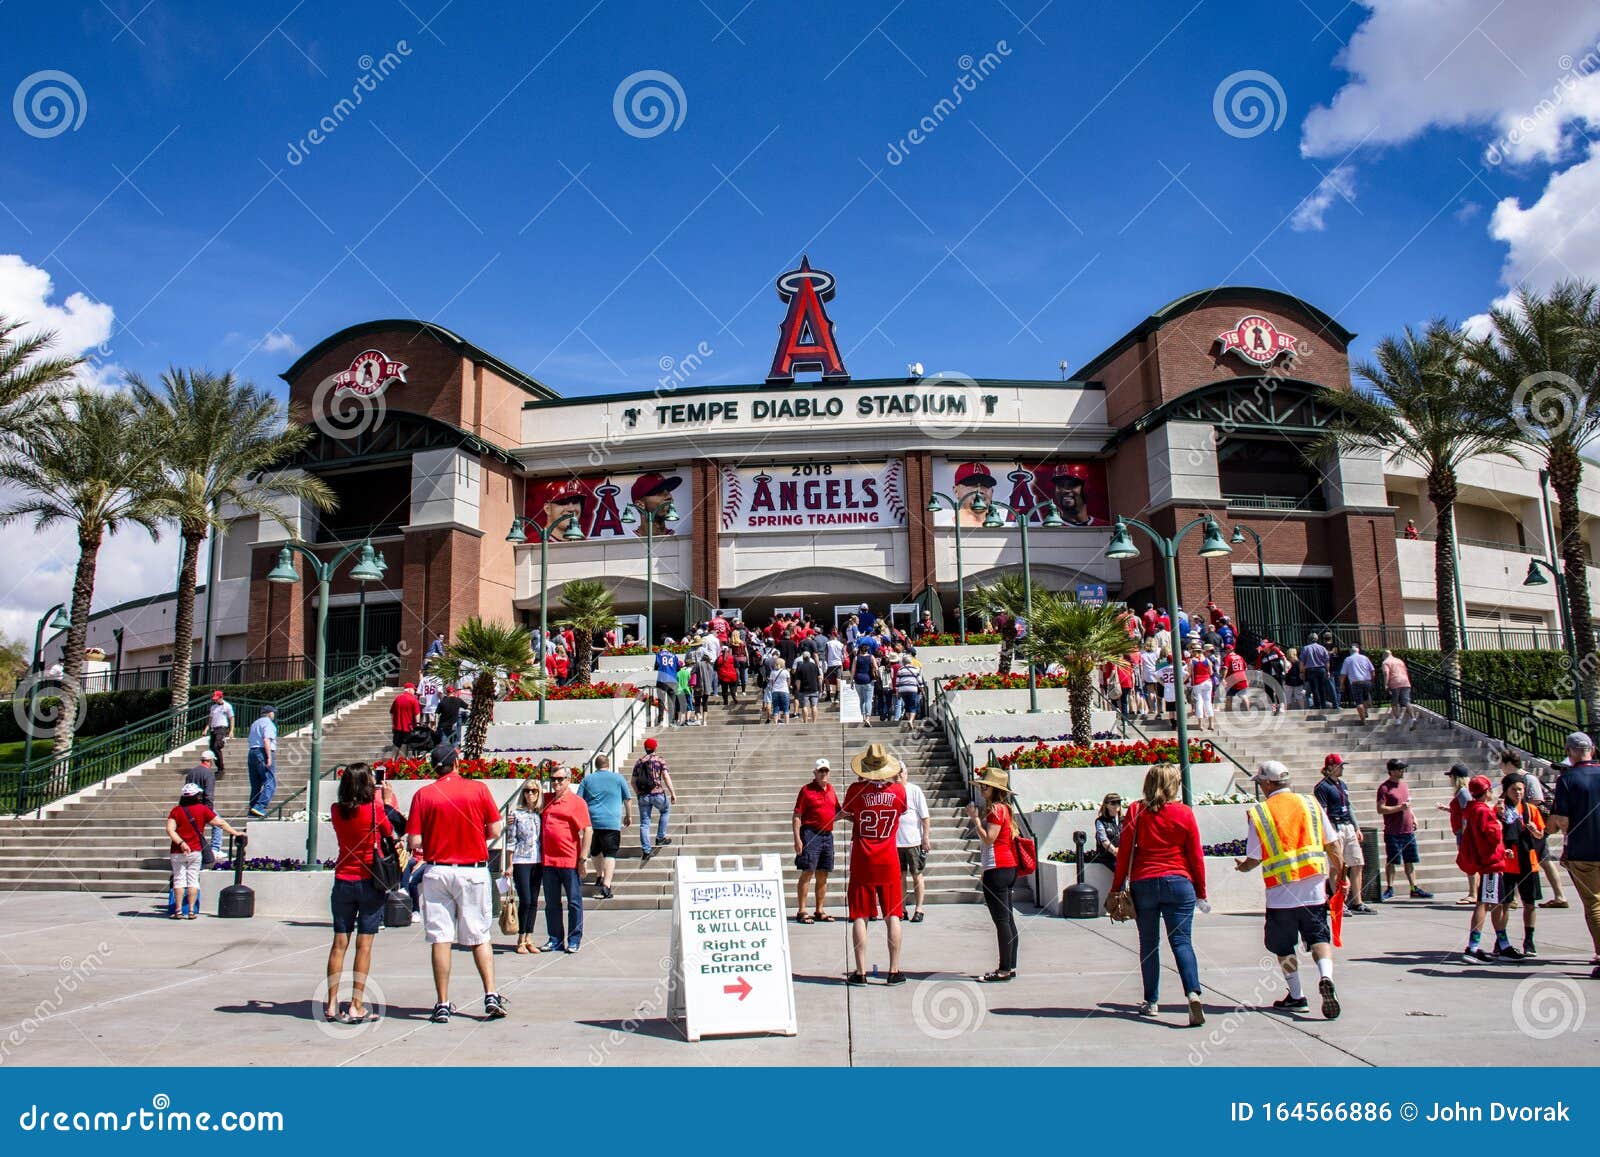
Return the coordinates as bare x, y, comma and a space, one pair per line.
1257, 340
370, 372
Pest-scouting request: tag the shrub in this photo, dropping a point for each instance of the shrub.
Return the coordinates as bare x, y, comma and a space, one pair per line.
947, 639
405, 768
991, 681
520, 693
1139, 754
1509, 674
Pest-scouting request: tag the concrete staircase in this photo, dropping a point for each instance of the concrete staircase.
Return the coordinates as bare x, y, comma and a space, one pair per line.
113, 839
736, 780
1302, 739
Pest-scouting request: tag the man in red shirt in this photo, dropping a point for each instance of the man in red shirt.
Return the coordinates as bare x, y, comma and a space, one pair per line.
403, 714
566, 833
1234, 679
815, 809
874, 805
451, 823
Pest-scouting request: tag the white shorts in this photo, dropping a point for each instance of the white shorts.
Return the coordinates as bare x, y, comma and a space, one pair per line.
1349, 841
455, 905
1202, 700
185, 870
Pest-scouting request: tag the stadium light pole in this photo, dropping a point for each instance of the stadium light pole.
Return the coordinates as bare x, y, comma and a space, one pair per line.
519, 535
1120, 549
938, 502
632, 513
993, 521
1537, 579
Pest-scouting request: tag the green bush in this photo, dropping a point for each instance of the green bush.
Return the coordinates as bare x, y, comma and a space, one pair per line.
1509, 674
109, 710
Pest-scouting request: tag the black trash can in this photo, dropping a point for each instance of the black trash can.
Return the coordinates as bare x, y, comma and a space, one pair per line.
1372, 880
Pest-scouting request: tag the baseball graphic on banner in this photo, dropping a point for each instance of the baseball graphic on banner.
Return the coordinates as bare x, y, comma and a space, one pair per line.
813, 496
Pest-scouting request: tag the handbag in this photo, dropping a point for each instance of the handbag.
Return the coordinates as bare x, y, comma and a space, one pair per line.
384, 862
1026, 850
1119, 904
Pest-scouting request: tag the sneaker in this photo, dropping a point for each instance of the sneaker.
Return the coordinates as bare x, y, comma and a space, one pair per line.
1149, 1008
1419, 894
416, 917
605, 892
1357, 910
1508, 952
441, 1013
664, 841
573, 945
1475, 955
1528, 949
645, 858
1292, 1004
895, 978
1330, 999
553, 946
494, 1005
1388, 893
1197, 1012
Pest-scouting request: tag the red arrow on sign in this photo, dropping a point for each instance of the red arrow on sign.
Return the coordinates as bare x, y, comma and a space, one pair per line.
742, 988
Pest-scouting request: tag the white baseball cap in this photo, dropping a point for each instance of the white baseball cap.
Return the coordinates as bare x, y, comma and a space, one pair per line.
208, 756
820, 764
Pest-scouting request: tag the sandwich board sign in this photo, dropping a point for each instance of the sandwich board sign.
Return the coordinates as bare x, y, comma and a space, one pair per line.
730, 948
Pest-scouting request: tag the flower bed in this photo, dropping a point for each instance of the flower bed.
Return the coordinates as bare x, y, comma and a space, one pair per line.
1210, 799
404, 768
1041, 738
641, 649
1142, 753
520, 694
993, 681
269, 864
1228, 848
974, 639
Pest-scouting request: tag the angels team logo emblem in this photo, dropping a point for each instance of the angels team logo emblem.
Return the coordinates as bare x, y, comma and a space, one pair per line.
369, 373
1257, 340
805, 339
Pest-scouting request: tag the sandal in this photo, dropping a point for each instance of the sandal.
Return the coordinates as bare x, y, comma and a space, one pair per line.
332, 1014
823, 917
524, 948
1555, 903
366, 1016
805, 918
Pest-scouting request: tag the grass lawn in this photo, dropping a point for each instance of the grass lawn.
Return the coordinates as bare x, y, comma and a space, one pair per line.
11, 754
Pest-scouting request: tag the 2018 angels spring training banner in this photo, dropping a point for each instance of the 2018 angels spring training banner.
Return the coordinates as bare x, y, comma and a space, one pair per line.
1076, 488
600, 500
814, 496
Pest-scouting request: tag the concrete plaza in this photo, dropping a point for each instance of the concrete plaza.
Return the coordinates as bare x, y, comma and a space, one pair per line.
109, 980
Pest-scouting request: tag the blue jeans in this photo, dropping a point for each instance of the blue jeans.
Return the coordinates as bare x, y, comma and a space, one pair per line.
1168, 899
263, 780
1320, 691
655, 802
864, 694
559, 883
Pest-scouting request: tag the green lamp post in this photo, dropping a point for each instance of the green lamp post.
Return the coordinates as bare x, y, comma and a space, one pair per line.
365, 571
1239, 531
1536, 579
940, 501
56, 618
1212, 545
631, 514
1050, 519
361, 619
519, 536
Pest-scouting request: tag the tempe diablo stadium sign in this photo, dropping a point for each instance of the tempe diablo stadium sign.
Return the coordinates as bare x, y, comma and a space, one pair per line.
814, 496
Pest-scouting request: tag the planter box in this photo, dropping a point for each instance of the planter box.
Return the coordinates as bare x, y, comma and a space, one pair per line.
556, 711
1230, 892
281, 839
1218, 823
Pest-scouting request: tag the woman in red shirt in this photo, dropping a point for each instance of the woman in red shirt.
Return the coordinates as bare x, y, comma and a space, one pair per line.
1160, 854
997, 831
360, 823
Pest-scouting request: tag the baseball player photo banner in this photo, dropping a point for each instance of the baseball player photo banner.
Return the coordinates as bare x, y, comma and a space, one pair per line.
600, 502
1077, 489
814, 496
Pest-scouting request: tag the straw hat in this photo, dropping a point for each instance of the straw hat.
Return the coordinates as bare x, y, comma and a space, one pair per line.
995, 777
875, 763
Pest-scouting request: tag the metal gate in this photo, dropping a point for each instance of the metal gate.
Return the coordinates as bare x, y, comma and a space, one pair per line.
1268, 608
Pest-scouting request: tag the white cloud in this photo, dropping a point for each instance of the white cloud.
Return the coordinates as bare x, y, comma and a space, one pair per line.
1421, 64
279, 342
1558, 236
1339, 184
80, 325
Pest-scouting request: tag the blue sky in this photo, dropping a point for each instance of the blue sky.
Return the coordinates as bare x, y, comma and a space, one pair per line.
485, 182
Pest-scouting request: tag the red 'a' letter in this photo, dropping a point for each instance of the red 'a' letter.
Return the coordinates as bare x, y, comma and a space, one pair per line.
805, 339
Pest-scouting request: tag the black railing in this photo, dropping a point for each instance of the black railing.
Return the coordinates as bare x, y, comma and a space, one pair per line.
1521, 723
1422, 637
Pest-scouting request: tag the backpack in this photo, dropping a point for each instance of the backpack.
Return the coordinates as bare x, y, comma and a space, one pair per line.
644, 782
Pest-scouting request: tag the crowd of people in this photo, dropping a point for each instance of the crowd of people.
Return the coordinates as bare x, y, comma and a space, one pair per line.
1228, 668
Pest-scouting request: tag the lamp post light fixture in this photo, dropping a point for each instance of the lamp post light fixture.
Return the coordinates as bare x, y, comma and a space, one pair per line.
632, 512
1536, 567
1212, 545
571, 531
361, 620
1050, 519
366, 570
56, 618
938, 502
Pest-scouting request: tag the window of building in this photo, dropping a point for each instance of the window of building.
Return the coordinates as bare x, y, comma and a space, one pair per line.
1268, 474
371, 503
233, 561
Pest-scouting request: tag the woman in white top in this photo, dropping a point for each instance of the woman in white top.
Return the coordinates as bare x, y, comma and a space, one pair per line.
523, 864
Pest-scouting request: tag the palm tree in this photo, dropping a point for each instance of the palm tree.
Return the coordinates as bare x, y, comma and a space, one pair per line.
1425, 405
1082, 638
88, 462
223, 443
589, 612
27, 377
487, 652
1007, 593
1542, 360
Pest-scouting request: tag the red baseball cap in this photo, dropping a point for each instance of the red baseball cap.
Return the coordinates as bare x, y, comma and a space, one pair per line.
647, 484
216, 695
411, 686
571, 491
1333, 757
1063, 472
650, 744
1479, 786
973, 474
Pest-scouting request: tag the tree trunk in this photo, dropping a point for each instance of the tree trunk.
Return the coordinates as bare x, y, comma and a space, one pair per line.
183, 628
1566, 475
583, 661
478, 718
77, 635
1080, 703
1442, 490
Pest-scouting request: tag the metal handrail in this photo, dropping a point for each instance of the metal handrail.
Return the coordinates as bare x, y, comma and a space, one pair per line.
295, 712
610, 739
1521, 723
